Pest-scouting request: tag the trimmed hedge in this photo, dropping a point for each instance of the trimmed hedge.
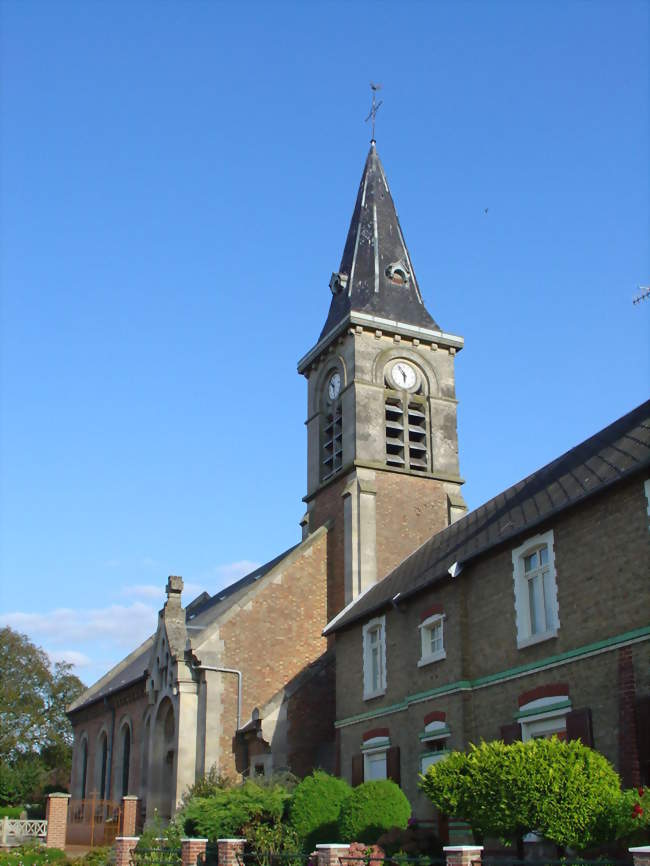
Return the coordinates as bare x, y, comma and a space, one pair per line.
315, 808
227, 811
371, 809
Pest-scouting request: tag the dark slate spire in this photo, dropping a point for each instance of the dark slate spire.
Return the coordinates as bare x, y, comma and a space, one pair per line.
376, 276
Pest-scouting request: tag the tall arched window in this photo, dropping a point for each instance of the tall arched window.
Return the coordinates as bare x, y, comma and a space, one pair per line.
332, 426
406, 418
126, 758
102, 754
84, 768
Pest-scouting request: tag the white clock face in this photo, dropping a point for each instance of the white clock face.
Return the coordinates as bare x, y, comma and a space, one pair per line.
334, 386
403, 375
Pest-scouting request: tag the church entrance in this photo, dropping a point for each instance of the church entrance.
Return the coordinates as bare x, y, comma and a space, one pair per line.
162, 762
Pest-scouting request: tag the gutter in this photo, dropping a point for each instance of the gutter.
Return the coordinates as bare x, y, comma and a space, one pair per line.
238, 674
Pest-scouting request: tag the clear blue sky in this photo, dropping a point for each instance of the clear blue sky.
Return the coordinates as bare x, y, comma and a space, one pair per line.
177, 182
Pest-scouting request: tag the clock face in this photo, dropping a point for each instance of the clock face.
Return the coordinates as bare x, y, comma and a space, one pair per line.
403, 375
334, 386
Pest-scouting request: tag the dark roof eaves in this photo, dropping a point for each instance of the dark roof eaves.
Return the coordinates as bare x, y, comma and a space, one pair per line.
103, 696
385, 603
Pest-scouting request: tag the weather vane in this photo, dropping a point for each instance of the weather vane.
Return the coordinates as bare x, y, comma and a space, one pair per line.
375, 107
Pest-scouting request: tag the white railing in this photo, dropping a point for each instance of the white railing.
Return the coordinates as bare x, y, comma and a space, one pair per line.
14, 830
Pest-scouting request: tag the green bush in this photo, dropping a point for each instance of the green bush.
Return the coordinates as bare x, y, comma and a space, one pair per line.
228, 811
371, 809
315, 808
11, 811
95, 857
562, 790
32, 855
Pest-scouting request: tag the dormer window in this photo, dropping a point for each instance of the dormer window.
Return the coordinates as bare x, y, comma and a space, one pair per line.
398, 273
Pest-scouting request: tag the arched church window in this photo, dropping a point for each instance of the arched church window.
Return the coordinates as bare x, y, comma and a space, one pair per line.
103, 765
332, 426
84, 768
406, 418
126, 758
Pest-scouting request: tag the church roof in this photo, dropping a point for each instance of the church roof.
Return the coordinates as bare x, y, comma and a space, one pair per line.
199, 613
613, 454
376, 275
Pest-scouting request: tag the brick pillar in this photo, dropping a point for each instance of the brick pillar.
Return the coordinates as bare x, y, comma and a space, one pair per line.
463, 855
628, 753
190, 850
56, 813
641, 855
130, 816
328, 855
227, 851
124, 847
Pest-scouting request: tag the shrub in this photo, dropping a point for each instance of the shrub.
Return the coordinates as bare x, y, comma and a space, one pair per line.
32, 855
95, 857
11, 811
228, 811
415, 841
207, 785
315, 808
268, 841
563, 791
371, 809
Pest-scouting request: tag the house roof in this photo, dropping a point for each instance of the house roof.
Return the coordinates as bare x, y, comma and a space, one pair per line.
612, 454
199, 613
374, 249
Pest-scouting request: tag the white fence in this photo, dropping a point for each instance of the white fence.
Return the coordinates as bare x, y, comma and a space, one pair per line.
13, 831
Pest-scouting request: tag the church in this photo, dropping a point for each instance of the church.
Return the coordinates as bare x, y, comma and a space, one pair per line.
398, 626
245, 680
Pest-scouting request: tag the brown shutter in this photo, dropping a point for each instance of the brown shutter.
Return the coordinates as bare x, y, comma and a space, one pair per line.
511, 733
392, 765
357, 770
578, 726
643, 737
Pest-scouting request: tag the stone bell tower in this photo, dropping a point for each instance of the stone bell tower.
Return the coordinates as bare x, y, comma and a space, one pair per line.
381, 422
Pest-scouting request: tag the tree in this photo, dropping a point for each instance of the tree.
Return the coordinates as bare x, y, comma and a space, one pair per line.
563, 791
33, 699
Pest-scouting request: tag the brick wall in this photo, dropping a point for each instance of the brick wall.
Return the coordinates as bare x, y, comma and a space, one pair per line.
273, 635
311, 713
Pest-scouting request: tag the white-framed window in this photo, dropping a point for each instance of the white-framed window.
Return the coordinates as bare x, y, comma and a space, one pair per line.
544, 718
432, 640
375, 764
374, 658
434, 737
536, 607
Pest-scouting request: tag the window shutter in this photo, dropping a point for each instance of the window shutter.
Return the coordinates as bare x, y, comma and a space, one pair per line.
393, 765
511, 733
578, 726
357, 770
643, 737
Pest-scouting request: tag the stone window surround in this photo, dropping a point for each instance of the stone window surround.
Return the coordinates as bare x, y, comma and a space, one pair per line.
545, 715
436, 731
425, 628
378, 623
525, 637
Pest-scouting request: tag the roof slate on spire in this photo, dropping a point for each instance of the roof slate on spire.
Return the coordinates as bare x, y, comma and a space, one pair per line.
376, 275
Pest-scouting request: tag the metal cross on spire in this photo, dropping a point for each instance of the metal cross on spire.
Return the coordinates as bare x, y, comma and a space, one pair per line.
375, 107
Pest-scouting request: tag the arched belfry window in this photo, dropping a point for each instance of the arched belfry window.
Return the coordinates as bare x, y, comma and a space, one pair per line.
406, 417
332, 426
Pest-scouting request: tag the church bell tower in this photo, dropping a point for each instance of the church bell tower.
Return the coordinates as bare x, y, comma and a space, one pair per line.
381, 423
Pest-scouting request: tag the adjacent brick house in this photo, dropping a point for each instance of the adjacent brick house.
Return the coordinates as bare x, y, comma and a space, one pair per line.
529, 616
231, 680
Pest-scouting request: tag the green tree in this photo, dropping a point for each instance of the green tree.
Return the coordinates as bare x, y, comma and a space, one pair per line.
33, 699
564, 791
315, 808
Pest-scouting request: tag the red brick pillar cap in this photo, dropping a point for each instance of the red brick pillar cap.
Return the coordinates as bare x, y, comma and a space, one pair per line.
453, 848
644, 849
59, 795
230, 840
198, 839
333, 845
127, 838
130, 797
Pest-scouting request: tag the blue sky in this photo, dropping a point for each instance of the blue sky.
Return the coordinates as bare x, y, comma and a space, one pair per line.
177, 182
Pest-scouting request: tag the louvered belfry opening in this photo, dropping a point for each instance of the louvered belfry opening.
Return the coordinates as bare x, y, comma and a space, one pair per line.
332, 447
406, 431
